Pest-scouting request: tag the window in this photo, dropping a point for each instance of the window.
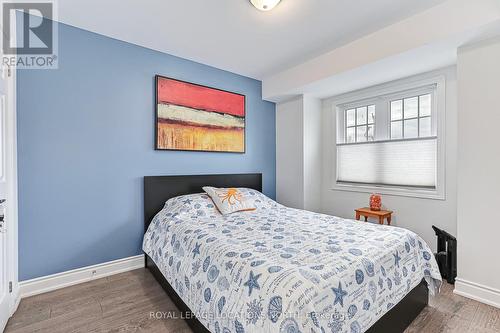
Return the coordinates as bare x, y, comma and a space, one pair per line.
360, 124
388, 142
411, 117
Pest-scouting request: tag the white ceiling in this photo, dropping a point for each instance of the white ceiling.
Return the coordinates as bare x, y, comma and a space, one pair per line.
231, 34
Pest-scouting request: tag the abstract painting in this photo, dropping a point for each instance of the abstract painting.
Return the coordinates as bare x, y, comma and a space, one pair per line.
198, 118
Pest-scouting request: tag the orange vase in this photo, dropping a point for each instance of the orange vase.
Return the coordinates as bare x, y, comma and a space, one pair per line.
375, 202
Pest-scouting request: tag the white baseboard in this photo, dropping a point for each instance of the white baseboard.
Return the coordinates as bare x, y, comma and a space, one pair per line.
65, 279
478, 292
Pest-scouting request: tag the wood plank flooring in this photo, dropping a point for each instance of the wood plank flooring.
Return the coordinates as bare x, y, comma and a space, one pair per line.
123, 303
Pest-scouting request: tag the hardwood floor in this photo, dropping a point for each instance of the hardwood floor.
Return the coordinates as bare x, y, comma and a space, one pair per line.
119, 303
123, 303
448, 312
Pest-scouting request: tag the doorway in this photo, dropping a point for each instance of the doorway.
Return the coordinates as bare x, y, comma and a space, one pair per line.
9, 289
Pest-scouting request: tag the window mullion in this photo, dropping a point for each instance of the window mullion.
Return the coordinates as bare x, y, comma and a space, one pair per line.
418, 116
403, 118
382, 120
344, 127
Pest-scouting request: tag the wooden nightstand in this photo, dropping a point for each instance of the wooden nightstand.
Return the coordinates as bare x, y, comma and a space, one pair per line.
366, 212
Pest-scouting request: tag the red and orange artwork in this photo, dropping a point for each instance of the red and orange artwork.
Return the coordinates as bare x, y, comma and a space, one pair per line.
198, 118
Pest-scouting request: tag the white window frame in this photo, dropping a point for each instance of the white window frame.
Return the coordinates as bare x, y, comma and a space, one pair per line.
355, 106
378, 95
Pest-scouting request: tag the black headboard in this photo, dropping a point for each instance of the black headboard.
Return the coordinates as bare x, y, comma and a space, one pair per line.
158, 189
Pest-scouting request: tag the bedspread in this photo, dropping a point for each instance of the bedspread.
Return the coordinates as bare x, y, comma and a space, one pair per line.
287, 270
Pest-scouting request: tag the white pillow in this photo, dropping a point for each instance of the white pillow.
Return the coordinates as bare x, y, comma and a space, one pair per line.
194, 205
230, 200
260, 201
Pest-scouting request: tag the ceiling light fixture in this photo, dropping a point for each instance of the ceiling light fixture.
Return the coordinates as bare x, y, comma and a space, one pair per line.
265, 5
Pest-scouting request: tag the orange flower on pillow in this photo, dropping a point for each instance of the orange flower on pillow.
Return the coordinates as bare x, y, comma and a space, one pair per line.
229, 200
230, 193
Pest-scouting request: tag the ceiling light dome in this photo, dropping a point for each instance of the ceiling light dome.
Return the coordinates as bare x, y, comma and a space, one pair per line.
265, 5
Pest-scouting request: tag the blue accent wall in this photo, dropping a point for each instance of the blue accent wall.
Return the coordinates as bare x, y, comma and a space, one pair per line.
86, 139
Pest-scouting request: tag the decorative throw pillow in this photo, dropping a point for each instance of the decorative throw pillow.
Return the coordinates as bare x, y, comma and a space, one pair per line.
194, 205
260, 201
229, 200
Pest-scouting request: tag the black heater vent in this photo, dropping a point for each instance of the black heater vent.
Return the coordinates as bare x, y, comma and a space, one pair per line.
446, 255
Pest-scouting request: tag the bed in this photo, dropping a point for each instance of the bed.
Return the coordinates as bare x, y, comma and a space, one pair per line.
279, 269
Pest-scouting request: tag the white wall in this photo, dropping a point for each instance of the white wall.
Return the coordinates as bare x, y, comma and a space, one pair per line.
416, 214
312, 153
298, 153
479, 172
290, 153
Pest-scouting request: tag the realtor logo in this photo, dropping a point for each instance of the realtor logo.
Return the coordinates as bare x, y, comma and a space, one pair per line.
29, 35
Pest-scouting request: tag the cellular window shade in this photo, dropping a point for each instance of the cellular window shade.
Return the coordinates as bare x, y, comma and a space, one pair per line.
400, 163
